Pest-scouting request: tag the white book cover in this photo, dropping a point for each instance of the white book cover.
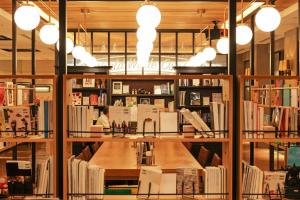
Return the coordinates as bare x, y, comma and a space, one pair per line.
221, 109
168, 183
203, 125
147, 112
168, 122
20, 94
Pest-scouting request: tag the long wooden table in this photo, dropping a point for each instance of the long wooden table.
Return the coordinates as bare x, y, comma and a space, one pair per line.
119, 159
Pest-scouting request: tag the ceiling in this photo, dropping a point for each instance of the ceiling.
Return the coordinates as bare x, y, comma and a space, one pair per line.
120, 14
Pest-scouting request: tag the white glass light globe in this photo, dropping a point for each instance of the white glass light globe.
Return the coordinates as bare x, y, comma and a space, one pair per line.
146, 33
49, 34
200, 58
223, 45
148, 16
27, 17
86, 57
144, 46
192, 62
92, 62
243, 34
78, 51
209, 53
267, 19
69, 45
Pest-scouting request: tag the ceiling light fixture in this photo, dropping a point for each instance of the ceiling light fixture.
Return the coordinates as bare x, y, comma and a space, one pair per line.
69, 45
223, 42
243, 32
209, 52
27, 17
148, 15
267, 18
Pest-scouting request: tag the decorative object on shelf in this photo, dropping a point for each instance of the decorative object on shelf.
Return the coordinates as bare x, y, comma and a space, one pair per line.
145, 101
88, 82
131, 101
117, 87
85, 101
27, 17
157, 89
267, 18
76, 98
195, 98
126, 89
243, 32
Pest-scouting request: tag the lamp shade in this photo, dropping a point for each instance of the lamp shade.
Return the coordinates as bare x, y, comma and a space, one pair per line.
267, 19
92, 62
223, 45
85, 58
243, 34
209, 53
146, 33
200, 58
69, 45
148, 16
144, 46
27, 17
78, 51
49, 34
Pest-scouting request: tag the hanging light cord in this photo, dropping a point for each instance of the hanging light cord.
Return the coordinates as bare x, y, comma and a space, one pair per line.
49, 11
224, 33
242, 14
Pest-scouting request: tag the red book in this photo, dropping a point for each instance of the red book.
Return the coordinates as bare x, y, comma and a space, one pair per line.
93, 99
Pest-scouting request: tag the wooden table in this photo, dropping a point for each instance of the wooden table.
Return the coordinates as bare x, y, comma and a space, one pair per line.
119, 159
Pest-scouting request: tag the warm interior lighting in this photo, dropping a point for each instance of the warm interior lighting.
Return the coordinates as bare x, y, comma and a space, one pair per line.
267, 18
145, 33
223, 45
69, 45
27, 17
148, 15
78, 51
243, 34
49, 34
209, 53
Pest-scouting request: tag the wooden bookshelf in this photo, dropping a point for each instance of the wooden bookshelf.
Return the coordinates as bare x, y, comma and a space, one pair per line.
35, 96
258, 86
226, 143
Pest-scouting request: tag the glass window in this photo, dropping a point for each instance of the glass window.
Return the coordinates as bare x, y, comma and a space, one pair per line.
100, 43
131, 42
118, 64
167, 64
117, 42
185, 42
168, 42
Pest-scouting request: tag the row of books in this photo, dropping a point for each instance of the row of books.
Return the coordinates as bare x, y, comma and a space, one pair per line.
215, 182
257, 183
195, 98
285, 119
93, 99
200, 82
167, 88
44, 176
84, 178
45, 117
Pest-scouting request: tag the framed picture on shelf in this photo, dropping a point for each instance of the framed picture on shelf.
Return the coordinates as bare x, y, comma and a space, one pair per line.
157, 90
88, 82
85, 101
77, 98
145, 101
195, 98
205, 101
125, 89
9, 93
117, 88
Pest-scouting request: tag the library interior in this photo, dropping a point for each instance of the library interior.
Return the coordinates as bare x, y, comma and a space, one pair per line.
149, 99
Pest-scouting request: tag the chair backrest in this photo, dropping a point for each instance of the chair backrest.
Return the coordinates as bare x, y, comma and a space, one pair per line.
203, 156
87, 155
188, 145
216, 160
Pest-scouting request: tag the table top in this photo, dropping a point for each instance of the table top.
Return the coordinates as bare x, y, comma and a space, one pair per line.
122, 156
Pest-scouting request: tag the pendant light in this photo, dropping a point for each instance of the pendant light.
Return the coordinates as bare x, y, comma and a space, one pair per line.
243, 32
145, 33
27, 17
223, 42
78, 50
69, 45
267, 18
49, 33
148, 15
209, 52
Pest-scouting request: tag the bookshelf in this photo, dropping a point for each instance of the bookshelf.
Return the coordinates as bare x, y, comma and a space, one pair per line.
166, 140
28, 115
269, 119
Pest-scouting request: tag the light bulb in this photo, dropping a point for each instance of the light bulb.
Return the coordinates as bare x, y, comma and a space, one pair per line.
200, 58
49, 34
144, 46
192, 62
92, 62
69, 45
209, 53
86, 57
243, 34
146, 33
148, 16
267, 19
223, 45
27, 17
78, 51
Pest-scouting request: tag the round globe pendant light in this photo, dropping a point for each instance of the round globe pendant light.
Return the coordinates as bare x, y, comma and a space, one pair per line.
223, 45
148, 16
243, 34
49, 34
92, 62
27, 17
267, 19
209, 53
200, 58
144, 46
86, 57
69, 45
78, 51
146, 33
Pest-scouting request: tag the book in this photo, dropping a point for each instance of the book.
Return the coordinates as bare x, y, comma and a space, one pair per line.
215, 182
149, 182
195, 98
145, 111
187, 182
159, 103
252, 182
93, 99
125, 89
196, 82
88, 82
168, 122
131, 101
157, 89
85, 101
9, 94
117, 88
274, 183
76, 98
165, 89
2, 94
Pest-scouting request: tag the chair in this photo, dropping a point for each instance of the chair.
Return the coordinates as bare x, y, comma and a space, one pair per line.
216, 160
203, 156
87, 155
188, 145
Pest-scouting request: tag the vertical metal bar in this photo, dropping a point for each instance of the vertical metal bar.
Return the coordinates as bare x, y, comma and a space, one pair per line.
235, 111
271, 160
252, 46
159, 52
61, 71
126, 53
176, 48
92, 42
108, 47
75, 45
33, 72
272, 52
193, 43
14, 61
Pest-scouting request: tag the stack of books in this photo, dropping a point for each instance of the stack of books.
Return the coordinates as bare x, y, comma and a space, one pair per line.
215, 182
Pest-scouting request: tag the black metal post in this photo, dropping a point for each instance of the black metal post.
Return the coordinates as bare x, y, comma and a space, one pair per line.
176, 48
272, 52
298, 68
33, 72
61, 71
235, 111
126, 52
159, 53
14, 61
252, 51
